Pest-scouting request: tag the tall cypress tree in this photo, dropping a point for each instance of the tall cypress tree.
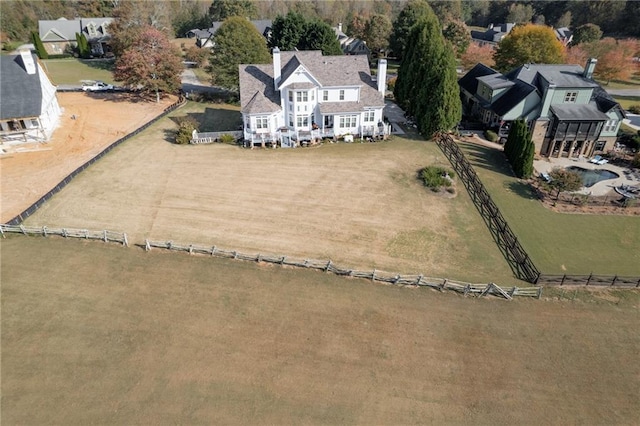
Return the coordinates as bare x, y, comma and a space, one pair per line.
37, 43
427, 85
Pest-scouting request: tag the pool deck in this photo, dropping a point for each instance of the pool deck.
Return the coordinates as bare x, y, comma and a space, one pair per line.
604, 187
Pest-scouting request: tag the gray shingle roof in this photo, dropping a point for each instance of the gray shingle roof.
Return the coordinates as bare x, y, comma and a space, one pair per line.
567, 76
496, 81
512, 97
469, 81
66, 29
21, 93
578, 112
330, 71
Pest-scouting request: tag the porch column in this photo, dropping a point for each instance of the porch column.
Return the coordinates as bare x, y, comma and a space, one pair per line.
571, 149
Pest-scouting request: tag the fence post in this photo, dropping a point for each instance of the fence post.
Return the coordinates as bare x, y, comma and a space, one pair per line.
563, 277
44, 230
419, 280
326, 268
444, 283
190, 248
64, 233
125, 241
104, 233
24, 231
213, 251
282, 260
373, 275
2, 231
86, 234
539, 292
589, 279
614, 280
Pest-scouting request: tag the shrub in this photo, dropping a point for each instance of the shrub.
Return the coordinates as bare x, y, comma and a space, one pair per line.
197, 55
186, 126
227, 138
636, 160
634, 109
391, 83
491, 135
435, 177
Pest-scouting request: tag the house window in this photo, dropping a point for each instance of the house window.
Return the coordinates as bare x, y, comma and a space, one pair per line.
347, 121
610, 125
262, 123
325, 95
302, 96
303, 121
290, 96
369, 116
570, 97
313, 95
600, 145
291, 121
342, 95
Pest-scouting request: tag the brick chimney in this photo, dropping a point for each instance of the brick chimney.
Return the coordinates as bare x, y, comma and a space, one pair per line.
589, 68
27, 61
277, 68
382, 76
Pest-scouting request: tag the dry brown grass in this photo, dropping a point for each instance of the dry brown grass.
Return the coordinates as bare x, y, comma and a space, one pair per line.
95, 333
100, 119
357, 204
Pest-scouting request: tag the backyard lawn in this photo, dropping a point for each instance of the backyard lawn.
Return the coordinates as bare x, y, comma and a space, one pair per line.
558, 242
359, 205
73, 71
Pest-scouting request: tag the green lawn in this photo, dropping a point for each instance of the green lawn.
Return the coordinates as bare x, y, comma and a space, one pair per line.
557, 242
73, 71
211, 117
626, 101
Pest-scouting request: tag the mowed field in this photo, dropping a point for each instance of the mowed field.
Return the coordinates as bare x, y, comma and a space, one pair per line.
359, 205
96, 333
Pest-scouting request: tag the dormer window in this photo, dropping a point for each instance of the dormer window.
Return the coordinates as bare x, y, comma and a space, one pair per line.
91, 30
570, 97
325, 95
341, 94
302, 96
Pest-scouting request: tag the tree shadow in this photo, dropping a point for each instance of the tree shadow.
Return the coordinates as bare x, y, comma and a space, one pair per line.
169, 135
99, 64
487, 158
522, 189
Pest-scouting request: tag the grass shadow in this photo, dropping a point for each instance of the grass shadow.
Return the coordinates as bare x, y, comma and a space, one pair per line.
521, 189
486, 158
99, 64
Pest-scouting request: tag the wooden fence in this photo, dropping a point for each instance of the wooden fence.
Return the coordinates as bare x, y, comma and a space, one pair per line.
589, 280
374, 275
106, 236
518, 259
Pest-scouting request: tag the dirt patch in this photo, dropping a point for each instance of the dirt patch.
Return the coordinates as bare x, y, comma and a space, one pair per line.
90, 123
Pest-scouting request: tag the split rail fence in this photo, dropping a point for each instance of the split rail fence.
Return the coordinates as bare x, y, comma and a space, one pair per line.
374, 275
105, 235
518, 259
64, 182
589, 280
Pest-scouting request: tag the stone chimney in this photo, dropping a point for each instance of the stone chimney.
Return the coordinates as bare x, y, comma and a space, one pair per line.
382, 76
27, 61
277, 68
589, 68
340, 26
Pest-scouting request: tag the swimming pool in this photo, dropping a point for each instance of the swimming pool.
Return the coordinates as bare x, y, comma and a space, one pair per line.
591, 177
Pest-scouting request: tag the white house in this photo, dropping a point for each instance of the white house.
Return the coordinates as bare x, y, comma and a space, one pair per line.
304, 96
29, 109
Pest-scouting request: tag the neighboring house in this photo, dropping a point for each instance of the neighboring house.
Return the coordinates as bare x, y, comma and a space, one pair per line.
564, 35
60, 34
204, 38
305, 96
569, 114
350, 45
29, 109
492, 35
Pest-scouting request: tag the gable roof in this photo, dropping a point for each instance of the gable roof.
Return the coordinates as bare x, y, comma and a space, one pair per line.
512, 97
560, 75
329, 71
494, 33
21, 92
65, 29
469, 81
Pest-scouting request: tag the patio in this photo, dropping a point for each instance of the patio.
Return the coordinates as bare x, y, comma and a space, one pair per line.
605, 187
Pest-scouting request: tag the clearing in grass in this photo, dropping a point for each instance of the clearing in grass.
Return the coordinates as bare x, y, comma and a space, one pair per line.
73, 71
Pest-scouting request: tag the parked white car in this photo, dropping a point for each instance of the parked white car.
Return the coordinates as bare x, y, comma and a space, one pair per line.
96, 86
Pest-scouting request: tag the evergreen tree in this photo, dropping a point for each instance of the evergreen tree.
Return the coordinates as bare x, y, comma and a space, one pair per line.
83, 45
287, 31
319, 35
527, 159
40, 50
409, 15
427, 81
237, 42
